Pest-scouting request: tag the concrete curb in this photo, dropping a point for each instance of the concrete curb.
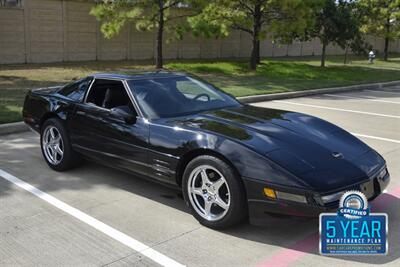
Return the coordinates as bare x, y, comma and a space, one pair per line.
15, 127
267, 97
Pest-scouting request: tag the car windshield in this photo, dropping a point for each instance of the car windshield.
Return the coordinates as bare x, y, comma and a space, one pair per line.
176, 96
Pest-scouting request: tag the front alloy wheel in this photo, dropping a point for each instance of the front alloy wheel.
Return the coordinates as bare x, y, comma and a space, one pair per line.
208, 192
214, 192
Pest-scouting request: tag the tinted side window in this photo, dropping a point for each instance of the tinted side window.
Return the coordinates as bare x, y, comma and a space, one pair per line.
110, 94
76, 90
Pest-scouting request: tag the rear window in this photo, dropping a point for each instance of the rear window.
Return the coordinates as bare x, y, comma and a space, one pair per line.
76, 90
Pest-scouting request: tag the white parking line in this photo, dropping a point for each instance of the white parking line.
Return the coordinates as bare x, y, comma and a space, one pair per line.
388, 92
377, 138
102, 227
339, 109
364, 98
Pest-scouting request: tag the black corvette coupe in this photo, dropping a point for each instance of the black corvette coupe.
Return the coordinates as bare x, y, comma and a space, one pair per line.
231, 161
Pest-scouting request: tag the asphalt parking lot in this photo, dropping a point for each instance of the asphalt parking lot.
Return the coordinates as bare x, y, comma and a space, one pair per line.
97, 216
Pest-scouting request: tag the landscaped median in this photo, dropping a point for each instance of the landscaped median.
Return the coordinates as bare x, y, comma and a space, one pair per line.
285, 75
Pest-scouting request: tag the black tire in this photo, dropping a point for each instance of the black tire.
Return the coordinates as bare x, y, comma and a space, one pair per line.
237, 211
69, 158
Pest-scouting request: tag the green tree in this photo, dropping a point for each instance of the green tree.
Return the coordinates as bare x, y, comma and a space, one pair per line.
337, 22
382, 20
350, 36
254, 17
147, 15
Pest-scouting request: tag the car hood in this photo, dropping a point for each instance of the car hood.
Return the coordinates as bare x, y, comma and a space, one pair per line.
323, 155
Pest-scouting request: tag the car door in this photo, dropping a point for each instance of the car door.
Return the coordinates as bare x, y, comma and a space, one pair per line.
109, 139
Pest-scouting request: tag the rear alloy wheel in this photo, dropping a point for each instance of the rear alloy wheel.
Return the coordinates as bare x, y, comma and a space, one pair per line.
56, 147
214, 192
53, 145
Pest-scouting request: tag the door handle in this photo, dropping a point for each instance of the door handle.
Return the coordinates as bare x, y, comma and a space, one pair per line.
79, 112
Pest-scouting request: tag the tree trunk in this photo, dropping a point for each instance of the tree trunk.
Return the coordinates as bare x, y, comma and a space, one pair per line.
258, 52
346, 51
323, 54
160, 32
386, 50
255, 53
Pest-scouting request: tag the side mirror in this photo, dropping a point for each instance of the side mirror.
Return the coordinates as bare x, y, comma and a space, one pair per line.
122, 114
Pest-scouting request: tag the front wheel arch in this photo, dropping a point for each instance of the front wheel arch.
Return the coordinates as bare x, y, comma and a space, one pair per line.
186, 158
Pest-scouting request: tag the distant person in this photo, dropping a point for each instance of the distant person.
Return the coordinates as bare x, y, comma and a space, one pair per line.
371, 57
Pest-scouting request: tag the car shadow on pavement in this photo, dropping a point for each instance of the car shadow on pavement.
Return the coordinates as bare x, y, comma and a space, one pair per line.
22, 158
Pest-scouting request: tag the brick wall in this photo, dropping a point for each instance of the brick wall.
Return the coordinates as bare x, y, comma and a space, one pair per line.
12, 36
62, 30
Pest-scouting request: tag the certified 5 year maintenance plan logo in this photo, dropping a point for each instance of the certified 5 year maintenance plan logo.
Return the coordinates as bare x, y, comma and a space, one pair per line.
353, 230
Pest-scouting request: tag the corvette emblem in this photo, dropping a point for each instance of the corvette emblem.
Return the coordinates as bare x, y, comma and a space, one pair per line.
337, 155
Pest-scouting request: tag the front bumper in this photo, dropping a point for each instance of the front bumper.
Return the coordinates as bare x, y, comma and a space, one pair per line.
260, 206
